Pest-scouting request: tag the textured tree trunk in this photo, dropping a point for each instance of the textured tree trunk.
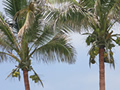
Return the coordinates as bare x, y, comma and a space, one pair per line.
26, 81
101, 68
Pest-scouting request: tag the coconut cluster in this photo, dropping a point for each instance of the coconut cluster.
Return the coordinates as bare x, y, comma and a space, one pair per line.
35, 78
90, 39
108, 60
15, 74
108, 56
93, 53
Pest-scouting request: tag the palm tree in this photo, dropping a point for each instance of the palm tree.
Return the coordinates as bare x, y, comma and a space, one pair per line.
98, 15
31, 36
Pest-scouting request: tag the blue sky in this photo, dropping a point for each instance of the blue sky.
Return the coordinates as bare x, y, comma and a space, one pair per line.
62, 76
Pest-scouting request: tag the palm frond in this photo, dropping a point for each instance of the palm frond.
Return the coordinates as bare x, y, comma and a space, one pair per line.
13, 6
62, 1
88, 4
72, 14
29, 20
35, 30
45, 36
56, 49
4, 54
40, 36
7, 34
24, 19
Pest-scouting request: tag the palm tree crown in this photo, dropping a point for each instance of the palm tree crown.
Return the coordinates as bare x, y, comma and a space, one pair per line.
29, 37
98, 15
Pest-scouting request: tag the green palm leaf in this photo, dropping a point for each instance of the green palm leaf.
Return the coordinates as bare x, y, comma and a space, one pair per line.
7, 36
33, 36
13, 6
56, 49
73, 14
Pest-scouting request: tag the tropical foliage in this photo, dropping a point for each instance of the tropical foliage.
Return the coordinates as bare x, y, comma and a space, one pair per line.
31, 36
97, 15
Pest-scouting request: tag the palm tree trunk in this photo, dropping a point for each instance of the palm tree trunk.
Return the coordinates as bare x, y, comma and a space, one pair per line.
26, 81
101, 68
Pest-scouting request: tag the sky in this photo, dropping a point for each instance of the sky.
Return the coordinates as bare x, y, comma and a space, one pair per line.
63, 76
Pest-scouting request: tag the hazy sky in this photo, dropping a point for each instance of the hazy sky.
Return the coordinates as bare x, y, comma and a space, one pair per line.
62, 76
